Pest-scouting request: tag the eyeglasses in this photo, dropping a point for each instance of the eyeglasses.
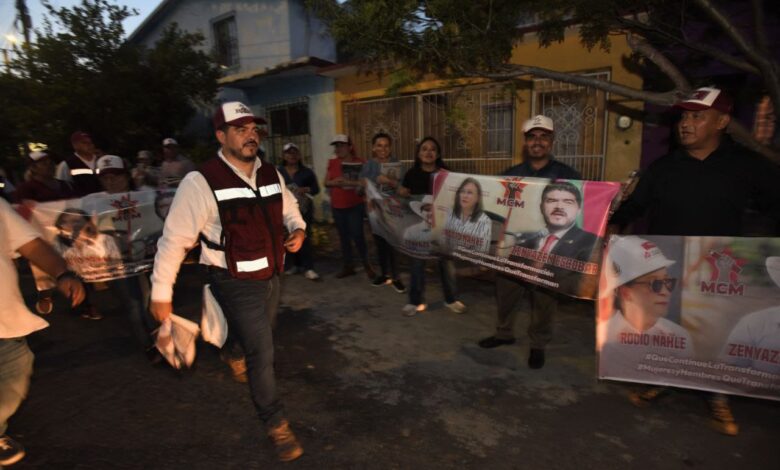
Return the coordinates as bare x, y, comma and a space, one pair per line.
657, 285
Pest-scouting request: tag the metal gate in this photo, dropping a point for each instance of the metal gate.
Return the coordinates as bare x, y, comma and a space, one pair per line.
580, 116
474, 125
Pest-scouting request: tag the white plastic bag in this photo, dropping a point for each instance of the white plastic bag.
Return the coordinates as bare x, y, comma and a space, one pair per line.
176, 341
212, 320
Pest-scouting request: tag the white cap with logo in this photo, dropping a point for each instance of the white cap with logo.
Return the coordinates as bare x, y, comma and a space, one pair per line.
630, 257
169, 141
288, 146
538, 122
340, 139
110, 162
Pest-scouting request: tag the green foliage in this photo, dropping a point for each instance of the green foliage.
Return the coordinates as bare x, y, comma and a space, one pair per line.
80, 73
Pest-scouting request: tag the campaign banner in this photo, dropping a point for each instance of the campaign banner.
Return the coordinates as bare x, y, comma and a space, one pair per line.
404, 223
692, 312
104, 236
541, 231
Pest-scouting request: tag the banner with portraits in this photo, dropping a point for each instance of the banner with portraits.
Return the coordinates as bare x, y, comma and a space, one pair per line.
103, 236
692, 312
544, 232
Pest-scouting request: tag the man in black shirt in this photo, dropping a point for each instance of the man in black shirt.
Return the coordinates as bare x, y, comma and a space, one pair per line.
538, 163
703, 188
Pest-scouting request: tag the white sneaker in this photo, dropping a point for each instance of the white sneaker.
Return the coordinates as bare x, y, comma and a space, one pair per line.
457, 306
411, 310
311, 275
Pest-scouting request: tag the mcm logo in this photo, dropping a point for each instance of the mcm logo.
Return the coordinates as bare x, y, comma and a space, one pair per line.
513, 190
650, 248
699, 95
726, 269
126, 207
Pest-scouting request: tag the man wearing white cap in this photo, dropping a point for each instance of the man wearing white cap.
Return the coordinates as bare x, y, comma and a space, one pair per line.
638, 281
539, 133
238, 207
703, 188
175, 165
539, 163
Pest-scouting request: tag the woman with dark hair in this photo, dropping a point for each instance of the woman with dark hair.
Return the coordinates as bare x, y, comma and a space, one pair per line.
386, 183
417, 182
468, 227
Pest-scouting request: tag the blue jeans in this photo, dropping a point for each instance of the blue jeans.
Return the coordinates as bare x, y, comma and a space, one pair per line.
16, 365
417, 284
387, 259
349, 223
250, 308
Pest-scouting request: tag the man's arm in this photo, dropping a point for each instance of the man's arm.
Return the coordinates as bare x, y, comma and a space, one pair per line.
291, 216
43, 255
186, 219
63, 172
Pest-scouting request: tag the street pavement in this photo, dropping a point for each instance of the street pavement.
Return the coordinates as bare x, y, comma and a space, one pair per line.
365, 387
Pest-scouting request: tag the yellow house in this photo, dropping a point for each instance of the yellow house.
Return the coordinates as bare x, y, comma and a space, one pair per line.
478, 122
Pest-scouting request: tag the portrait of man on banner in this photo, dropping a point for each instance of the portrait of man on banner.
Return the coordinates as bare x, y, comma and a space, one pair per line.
561, 252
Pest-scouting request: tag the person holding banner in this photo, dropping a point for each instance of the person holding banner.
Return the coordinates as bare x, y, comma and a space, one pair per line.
704, 188
16, 321
467, 227
560, 211
238, 206
417, 182
639, 286
379, 171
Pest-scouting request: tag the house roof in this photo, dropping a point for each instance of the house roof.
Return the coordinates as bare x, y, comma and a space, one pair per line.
163, 7
282, 68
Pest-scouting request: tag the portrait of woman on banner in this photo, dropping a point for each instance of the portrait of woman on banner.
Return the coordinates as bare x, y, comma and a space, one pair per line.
468, 227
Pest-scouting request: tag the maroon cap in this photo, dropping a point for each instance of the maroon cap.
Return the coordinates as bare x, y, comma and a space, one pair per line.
234, 113
706, 98
78, 136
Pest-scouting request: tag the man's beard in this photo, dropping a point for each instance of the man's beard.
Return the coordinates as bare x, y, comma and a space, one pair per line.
239, 156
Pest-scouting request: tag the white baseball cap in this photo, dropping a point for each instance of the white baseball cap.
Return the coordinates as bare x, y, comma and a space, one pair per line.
340, 139
169, 141
110, 163
234, 113
288, 146
538, 122
630, 257
706, 98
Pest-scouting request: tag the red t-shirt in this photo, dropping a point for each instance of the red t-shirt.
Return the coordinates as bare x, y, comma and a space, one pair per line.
342, 198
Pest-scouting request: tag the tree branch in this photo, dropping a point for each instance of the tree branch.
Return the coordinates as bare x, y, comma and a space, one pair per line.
713, 52
513, 71
654, 55
758, 25
732, 33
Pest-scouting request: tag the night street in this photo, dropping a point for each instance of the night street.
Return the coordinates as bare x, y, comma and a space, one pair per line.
366, 387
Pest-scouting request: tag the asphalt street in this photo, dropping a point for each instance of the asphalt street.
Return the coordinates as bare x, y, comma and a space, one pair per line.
365, 387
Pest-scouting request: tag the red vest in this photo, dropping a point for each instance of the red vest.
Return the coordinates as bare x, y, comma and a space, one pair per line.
85, 180
252, 230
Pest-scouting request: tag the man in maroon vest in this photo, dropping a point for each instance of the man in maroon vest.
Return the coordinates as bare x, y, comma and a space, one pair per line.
79, 168
238, 207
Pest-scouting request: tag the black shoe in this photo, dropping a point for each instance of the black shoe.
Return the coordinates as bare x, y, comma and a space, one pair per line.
494, 342
345, 271
380, 280
10, 451
399, 286
536, 358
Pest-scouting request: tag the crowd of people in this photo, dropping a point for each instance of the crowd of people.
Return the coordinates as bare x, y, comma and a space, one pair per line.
252, 222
